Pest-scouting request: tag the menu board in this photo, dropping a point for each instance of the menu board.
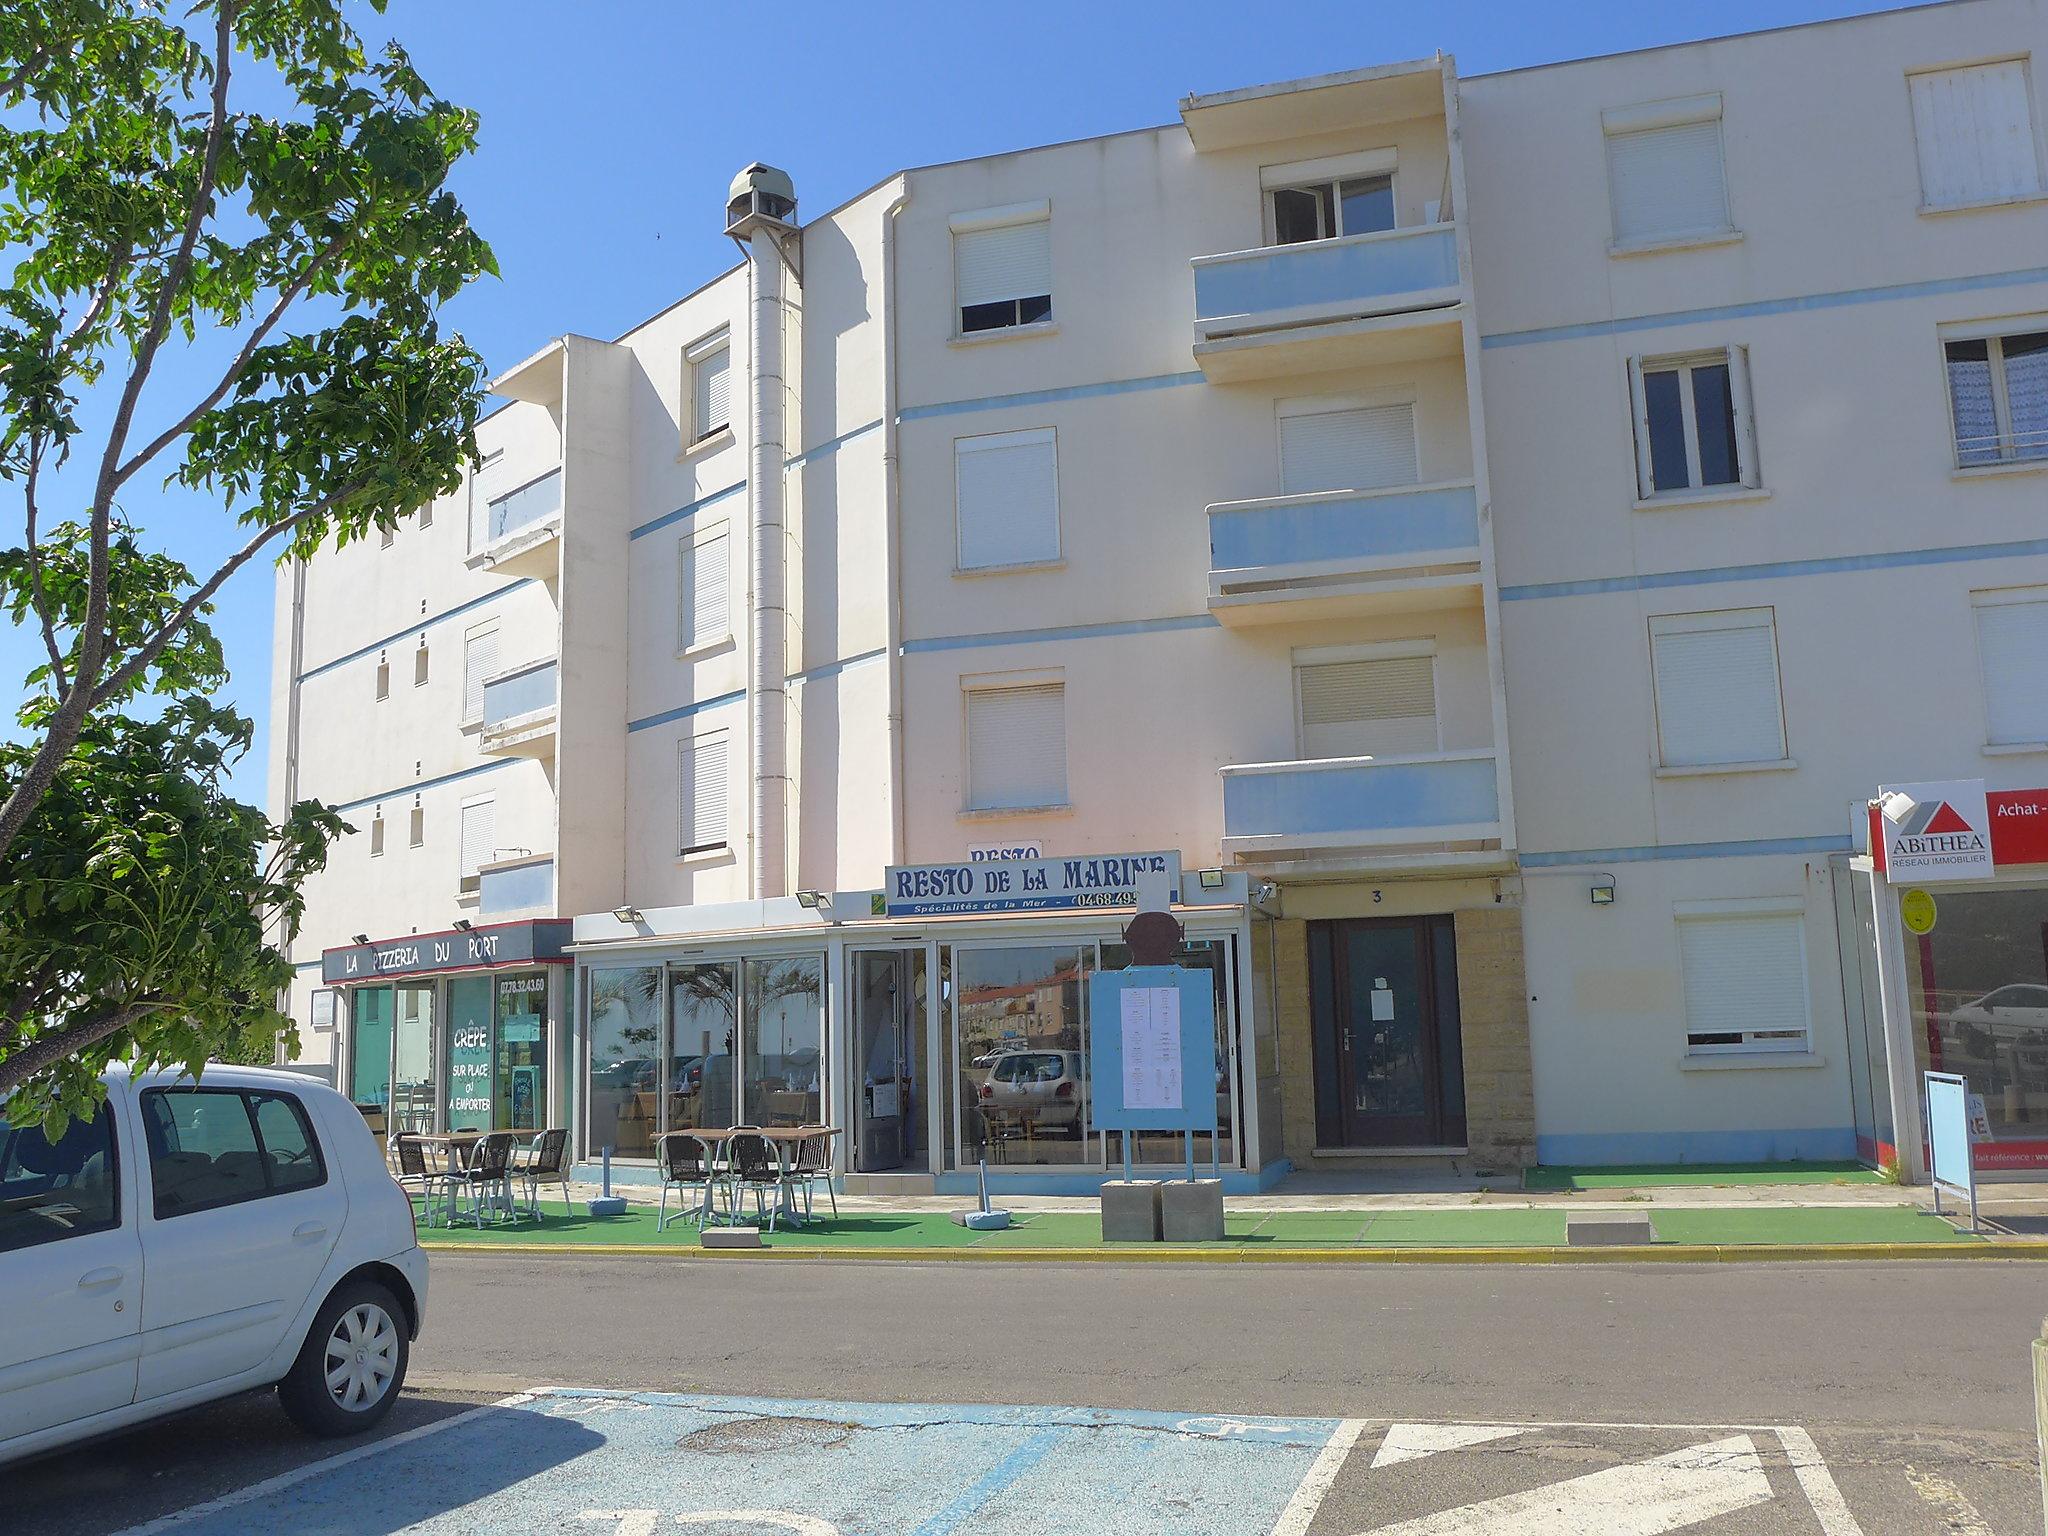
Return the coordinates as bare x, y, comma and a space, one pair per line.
469, 1076
1151, 1048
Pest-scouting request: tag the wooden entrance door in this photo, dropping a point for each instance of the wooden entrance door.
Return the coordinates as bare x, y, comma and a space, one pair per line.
1389, 1060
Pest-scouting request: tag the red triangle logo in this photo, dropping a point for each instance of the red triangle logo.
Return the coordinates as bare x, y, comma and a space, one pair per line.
1946, 820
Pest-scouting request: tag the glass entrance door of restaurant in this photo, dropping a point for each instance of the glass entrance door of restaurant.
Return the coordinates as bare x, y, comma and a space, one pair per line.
891, 1066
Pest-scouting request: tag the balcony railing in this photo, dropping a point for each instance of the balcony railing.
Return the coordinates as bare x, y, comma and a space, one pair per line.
1282, 285
1361, 802
1341, 534
522, 692
522, 507
520, 885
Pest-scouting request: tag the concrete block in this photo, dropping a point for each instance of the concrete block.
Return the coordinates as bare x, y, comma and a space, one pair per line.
1130, 1211
730, 1237
1191, 1213
1609, 1229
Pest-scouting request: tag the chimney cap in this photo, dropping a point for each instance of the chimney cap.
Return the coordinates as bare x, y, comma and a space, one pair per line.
761, 177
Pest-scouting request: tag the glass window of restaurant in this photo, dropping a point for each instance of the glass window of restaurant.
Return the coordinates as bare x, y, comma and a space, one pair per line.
369, 1053
467, 1053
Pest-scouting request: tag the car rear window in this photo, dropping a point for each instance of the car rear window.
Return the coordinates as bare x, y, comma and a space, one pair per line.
1038, 1067
53, 1190
210, 1147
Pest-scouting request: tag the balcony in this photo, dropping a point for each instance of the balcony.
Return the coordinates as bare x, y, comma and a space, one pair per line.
515, 533
1436, 800
1337, 553
512, 886
1352, 302
519, 711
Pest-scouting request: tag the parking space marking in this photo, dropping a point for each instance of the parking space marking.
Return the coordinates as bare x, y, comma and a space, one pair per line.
1315, 1483
1957, 1512
1412, 1442
1829, 1507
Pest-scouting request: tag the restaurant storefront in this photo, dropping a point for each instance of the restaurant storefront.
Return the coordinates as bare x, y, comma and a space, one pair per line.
1944, 924
456, 1031
939, 1027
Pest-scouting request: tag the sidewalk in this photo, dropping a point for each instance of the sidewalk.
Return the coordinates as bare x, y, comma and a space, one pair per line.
1696, 1214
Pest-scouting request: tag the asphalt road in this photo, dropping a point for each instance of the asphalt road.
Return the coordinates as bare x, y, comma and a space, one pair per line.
1912, 1379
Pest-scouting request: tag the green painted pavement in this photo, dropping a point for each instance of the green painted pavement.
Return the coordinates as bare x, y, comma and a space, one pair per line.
1662, 1175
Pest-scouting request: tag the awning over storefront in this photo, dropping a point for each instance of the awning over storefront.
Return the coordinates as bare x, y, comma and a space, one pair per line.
537, 941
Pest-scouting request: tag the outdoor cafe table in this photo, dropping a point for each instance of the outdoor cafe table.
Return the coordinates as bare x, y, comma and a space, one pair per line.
453, 1150
786, 1138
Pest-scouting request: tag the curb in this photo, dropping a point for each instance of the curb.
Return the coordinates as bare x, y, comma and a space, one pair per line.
1662, 1253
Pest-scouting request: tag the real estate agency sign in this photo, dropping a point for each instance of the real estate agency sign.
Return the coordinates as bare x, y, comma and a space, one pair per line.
1924, 834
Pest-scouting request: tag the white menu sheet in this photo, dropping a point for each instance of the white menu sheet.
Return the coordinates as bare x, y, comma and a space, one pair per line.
1151, 1042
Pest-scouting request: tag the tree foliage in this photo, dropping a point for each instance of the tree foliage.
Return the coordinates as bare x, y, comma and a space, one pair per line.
300, 256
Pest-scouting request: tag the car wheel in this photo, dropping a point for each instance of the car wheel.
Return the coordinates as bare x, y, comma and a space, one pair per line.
352, 1365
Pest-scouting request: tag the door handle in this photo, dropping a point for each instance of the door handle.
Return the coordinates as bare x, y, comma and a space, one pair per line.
100, 1279
307, 1231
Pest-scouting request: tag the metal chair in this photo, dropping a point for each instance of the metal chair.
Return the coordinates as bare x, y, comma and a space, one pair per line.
416, 1175
487, 1175
810, 1164
686, 1164
755, 1164
545, 1162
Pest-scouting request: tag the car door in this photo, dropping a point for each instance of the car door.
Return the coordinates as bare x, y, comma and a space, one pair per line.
70, 1274
243, 1211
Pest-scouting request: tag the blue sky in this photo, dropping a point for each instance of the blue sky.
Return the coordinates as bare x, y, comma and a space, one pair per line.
612, 127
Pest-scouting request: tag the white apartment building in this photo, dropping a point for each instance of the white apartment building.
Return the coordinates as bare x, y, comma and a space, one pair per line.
1483, 541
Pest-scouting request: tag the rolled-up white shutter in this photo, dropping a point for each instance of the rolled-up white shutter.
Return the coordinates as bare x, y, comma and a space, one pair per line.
706, 583
479, 661
1667, 182
2012, 642
703, 793
1010, 261
711, 391
1006, 487
1975, 133
1381, 706
1745, 982
1017, 747
479, 837
1349, 450
1716, 681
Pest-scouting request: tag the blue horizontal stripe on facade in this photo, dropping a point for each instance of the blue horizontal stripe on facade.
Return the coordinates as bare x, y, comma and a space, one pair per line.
1745, 848
1832, 565
684, 711
1839, 299
426, 622
1833, 1143
1050, 396
832, 445
688, 509
834, 668
414, 786
1071, 632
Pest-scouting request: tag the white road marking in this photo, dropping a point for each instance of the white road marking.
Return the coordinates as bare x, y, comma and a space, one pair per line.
1315, 1483
316, 1468
1412, 1442
1957, 1512
1643, 1498
801, 1525
1829, 1507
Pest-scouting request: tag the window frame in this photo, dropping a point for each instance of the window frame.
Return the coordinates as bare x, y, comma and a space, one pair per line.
247, 1096
2025, 61
466, 883
991, 442
377, 833
698, 352
1423, 646
1710, 620
382, 686
1008, 216
416, 825
2000, 597
1748, 472
1652, 117
113, 1223
1789, 908
1389, 397
1012, 682
1994, 334
688, 642
476, 631
421, 665
686, 753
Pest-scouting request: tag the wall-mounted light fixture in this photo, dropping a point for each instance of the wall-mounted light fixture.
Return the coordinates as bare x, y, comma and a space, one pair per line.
810, 901
1210, 879
362, 938
627, 915
463, 925
1602, 892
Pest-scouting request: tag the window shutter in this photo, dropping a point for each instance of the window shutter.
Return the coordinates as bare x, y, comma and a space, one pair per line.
706, 583
703, 793
479, 661
2012, 641
1975, 134
1011, 261
1376, 707
1717, 690
479, 837
1354, 450
1017, 747
711, 392
1745, 982
1667, 182
1007, 491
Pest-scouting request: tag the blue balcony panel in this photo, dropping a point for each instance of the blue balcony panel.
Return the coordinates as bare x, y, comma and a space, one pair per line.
512, 694
1363, 800
531, 503
516, 887
1362, 529
1356, 275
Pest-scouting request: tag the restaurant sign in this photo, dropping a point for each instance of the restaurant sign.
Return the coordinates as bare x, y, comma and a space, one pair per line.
542, 940
1022, 885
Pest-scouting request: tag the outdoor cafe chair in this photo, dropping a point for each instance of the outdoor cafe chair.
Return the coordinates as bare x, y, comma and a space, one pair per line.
755, 1165
417, 1176
686, 1165
487, 1178
810, 1164
545, 1162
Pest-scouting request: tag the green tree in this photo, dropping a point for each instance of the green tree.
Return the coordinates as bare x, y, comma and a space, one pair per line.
299, 255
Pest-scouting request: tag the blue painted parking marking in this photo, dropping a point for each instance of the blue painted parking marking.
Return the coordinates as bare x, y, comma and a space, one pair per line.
633, 1463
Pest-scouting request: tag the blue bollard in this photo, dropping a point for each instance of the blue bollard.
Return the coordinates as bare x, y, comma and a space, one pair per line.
608, 1204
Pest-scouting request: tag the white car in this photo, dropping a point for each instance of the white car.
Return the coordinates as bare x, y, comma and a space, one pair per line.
198, 1239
